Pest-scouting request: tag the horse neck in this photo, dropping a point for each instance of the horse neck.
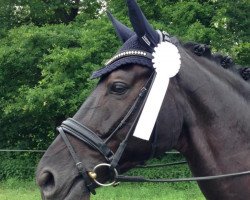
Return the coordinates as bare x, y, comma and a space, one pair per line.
215, 135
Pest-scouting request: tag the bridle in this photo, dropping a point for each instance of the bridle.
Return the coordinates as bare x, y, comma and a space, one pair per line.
80, 131
86, 135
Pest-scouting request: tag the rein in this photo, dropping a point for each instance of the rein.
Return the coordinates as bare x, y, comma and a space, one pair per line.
141, 179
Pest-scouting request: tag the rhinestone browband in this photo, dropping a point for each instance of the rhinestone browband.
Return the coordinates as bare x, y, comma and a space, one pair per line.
129, 53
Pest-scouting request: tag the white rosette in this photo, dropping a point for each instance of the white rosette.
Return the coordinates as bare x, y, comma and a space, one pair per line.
167, 63
167, 59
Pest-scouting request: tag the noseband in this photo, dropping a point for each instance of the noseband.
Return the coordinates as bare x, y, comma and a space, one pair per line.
84, 134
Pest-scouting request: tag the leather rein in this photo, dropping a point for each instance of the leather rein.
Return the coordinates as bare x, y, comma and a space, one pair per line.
80, 131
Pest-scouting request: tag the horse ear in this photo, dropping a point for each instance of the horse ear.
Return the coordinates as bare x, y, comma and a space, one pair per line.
141, 26
122, 31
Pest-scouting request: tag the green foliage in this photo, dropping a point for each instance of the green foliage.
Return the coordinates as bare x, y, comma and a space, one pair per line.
44, 77
241, 53
14, 13
222, 24
18, 165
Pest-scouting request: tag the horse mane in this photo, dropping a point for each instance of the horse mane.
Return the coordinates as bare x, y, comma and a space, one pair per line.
225, 62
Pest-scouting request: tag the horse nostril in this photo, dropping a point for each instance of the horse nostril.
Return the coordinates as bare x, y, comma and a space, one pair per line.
46, 181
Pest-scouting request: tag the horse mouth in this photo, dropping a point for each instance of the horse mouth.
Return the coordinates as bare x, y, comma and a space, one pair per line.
78, 191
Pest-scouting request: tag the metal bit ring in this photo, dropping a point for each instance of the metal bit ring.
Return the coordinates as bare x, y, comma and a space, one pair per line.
104, 184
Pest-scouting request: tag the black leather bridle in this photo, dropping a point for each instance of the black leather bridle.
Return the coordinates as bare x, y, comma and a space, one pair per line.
80, 131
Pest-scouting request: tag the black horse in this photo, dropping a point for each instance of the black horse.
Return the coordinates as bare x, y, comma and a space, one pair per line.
205, 116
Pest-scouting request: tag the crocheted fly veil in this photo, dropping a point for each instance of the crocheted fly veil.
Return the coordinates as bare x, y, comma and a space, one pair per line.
137, 45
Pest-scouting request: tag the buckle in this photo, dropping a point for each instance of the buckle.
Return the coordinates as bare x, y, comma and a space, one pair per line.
79, 166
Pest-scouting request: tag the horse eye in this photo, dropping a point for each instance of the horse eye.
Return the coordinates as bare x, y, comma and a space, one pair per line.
118, 88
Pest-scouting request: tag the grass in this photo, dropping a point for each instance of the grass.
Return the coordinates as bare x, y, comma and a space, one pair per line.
13, 189
148, 192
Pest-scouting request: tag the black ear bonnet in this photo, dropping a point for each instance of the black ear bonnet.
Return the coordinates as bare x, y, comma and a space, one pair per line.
137, 46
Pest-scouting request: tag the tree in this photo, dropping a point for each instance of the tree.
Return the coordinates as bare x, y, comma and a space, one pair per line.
223, 24
14, 13
44, 77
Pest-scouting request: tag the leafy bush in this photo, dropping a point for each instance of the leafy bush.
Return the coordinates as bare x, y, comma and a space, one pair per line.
44, 78
18, 165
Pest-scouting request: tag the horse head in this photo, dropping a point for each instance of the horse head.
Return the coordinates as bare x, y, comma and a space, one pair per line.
97, 143
121, 84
